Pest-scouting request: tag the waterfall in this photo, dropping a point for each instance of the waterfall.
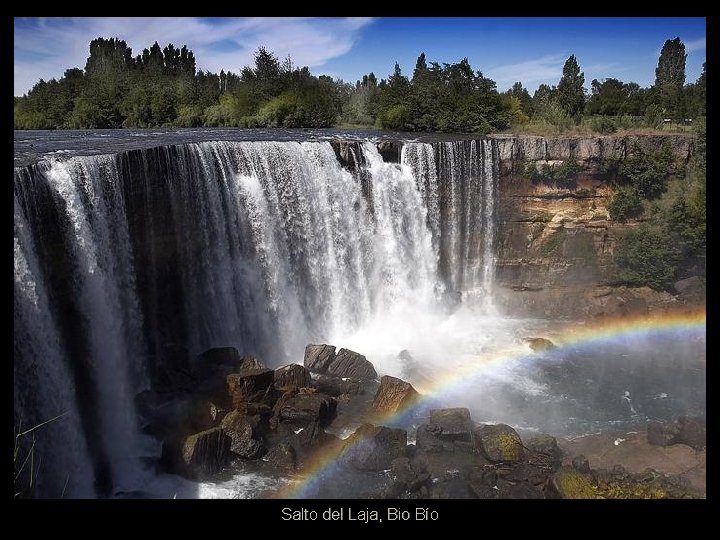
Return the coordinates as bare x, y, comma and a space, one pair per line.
264, 246
457, 182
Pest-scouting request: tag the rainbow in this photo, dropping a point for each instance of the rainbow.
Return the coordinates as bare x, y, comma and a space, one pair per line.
687, 323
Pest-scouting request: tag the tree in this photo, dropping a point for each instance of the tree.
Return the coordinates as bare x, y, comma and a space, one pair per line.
571, 93
670, 77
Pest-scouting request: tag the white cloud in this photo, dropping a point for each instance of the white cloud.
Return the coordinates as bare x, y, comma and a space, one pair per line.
546, 69
695, 45
53, 45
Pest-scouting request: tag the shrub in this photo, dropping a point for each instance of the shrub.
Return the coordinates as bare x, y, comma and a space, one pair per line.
648, 172
647, 257
625, 204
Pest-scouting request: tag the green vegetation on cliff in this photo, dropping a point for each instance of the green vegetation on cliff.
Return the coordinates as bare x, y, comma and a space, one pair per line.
671, 244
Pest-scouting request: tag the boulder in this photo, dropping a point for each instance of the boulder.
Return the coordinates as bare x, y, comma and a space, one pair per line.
540, 344
499, 443
545, 445
335, 386
292, 375
245, 441
206, 453
408, 474
249, 385
304, 409
374, 448
684, 430
282, 456
451, 424
581, 464
394, 394
219, 356
249, 362
348, 363
319, 357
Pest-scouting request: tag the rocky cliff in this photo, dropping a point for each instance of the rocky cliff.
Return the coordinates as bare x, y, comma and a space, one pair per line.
555, 245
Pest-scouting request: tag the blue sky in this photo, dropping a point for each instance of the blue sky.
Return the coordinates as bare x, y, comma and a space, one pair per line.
530, 50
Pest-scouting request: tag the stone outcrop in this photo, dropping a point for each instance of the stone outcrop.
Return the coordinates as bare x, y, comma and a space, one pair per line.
206, 453
394, 394
375, 447
350, 364
684, 430
319, 357
292, 375
249, 385
499, 443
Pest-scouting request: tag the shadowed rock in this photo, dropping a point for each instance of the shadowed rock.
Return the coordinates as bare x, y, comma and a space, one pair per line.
283, 456
206, 452
348, 363
292, 375
319, 357
249, 385
451, 424
304, 409
374, 447
335, 386
241, 429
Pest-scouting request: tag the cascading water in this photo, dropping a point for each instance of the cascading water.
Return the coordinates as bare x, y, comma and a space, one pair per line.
263, 246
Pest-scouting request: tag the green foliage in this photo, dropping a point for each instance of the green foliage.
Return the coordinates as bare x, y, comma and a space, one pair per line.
571, 94
647, 257
647, 172
670, 78
625, 204
560, 176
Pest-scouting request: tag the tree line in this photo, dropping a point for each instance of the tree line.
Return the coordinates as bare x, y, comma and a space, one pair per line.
161, 87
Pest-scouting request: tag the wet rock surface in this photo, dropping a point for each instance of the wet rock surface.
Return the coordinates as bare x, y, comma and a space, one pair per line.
287, 419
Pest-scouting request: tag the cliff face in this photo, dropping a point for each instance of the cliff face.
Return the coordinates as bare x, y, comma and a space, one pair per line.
555, 246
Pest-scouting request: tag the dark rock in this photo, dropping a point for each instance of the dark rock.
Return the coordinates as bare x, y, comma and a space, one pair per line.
282, 456
581, 464
390, 151
374, 447
249, 385
204, 414
335, 386
319, 357
524, 491
246, 443
684, 430
250, 362
292, 375
452, 488
393, 395
499, 442
426, 441
411, 475
451, 424
219, 356
546, 445
206, 452
304, 409
348, 363
540, 344
692, 433
171, 369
